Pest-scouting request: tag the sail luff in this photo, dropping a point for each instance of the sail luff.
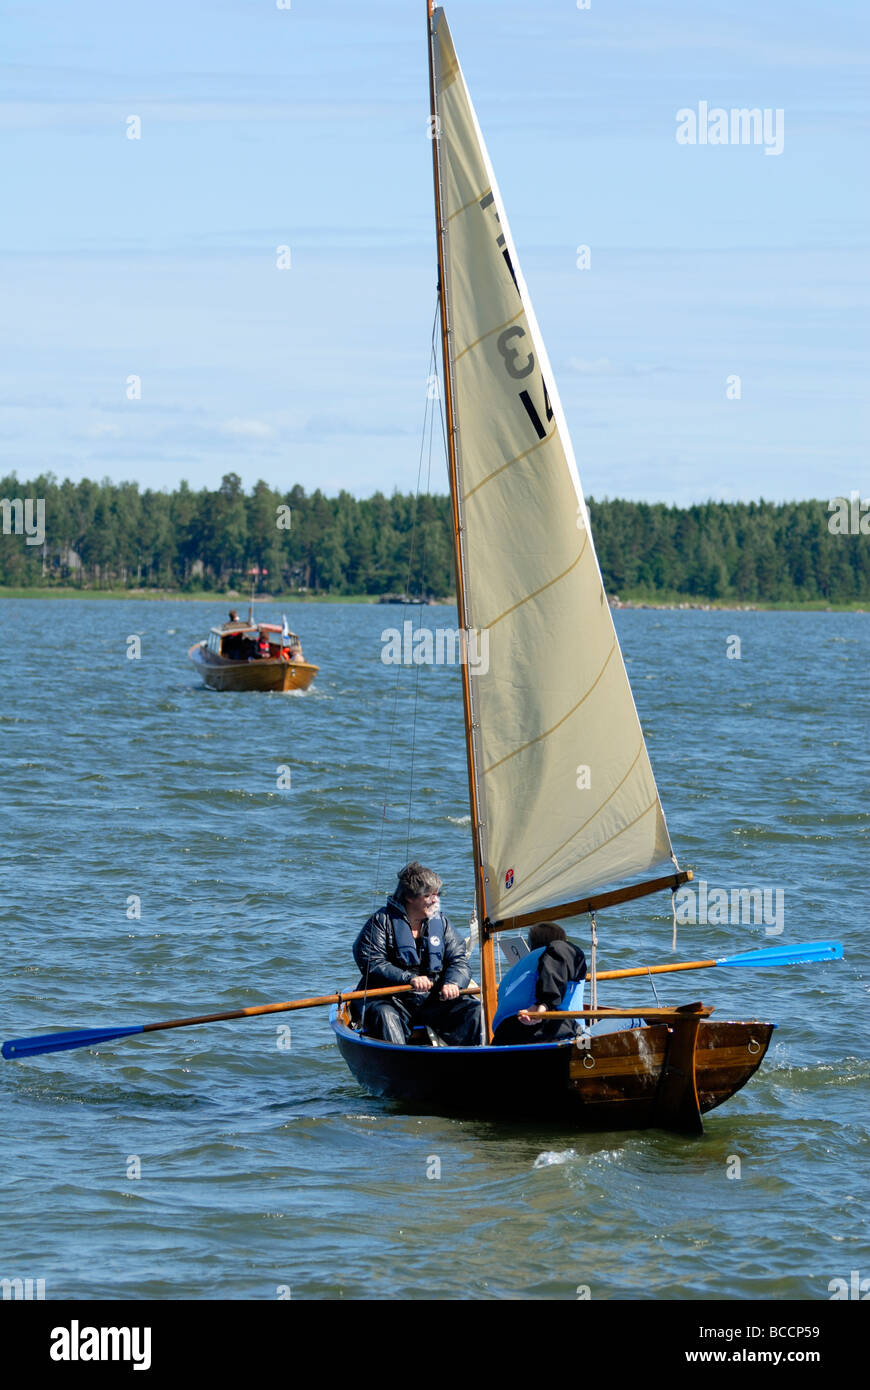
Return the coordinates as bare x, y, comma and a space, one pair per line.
489, 986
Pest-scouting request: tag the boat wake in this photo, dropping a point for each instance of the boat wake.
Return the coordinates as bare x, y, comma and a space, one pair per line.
551, 1157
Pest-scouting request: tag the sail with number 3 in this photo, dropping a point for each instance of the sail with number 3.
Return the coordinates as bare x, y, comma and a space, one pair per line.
566, 801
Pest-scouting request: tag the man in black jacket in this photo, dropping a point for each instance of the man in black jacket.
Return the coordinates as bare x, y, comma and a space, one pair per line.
408, 942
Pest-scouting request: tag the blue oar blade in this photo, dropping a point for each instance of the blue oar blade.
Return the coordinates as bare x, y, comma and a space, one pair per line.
60, 1042
799, 954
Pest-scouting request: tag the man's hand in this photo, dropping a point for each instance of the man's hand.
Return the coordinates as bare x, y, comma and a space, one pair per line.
421, 984
527, 1016
449, 991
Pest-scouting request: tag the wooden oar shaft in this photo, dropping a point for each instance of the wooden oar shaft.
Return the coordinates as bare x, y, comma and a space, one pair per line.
288, 1006
654, 969
86, 1037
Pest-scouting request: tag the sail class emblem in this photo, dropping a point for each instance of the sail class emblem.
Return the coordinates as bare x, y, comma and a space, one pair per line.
509, 879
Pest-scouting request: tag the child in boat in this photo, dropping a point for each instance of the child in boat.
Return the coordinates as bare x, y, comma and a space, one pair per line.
549, 977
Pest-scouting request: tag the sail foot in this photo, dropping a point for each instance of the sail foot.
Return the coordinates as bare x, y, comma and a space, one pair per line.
579, 906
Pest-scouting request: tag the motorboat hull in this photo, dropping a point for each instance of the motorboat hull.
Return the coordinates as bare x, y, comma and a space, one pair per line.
219, 673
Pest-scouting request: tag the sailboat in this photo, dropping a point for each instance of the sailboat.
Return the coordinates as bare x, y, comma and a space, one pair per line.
552, 698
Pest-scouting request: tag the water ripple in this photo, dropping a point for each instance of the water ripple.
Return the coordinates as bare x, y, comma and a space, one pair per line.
158, 871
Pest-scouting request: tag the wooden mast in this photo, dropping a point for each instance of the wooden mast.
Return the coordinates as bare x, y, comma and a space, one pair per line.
489, 988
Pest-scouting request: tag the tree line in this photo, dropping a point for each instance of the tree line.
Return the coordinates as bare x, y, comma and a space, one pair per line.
112, 535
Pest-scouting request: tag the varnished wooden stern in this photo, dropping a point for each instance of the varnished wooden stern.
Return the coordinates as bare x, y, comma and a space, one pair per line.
632, 1079
219, 673
624, 1074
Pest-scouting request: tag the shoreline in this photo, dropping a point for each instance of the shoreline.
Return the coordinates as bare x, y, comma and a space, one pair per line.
675, 603
763, 606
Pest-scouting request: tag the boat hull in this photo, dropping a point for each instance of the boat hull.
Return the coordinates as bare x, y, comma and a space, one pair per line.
617, 1082
220, 674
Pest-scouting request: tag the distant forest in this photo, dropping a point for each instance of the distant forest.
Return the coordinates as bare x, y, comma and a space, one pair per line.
111, 535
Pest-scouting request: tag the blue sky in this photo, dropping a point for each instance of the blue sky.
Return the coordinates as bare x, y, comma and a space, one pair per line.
307, 127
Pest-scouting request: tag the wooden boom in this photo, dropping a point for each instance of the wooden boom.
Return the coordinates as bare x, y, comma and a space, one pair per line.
593, 904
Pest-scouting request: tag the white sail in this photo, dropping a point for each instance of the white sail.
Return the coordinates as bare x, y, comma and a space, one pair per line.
550, 696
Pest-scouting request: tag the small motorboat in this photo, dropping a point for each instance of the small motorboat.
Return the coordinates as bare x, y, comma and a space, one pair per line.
252, 656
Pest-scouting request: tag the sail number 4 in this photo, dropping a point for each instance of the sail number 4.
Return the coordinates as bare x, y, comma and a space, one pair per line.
519, 366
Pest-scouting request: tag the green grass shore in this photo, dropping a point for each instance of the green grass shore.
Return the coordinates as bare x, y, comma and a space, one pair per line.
625, 600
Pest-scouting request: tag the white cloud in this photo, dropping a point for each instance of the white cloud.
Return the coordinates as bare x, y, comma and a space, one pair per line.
247, 429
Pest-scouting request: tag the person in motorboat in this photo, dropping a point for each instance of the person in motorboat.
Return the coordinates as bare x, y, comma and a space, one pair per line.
263, 647
409, 942
550, 977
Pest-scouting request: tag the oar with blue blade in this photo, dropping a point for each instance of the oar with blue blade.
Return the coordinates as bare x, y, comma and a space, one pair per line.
801, 954
17, 1048
59, 1042
787, 955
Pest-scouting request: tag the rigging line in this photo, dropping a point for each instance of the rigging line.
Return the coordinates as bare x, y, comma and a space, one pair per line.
674, 901
393, 718
474, 939
426, 424
433, 373
443, 418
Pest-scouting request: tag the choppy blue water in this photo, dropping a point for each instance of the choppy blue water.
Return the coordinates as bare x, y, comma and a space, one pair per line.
265, 1167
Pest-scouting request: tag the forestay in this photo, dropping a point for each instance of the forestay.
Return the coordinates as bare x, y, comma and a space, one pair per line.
549, 692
